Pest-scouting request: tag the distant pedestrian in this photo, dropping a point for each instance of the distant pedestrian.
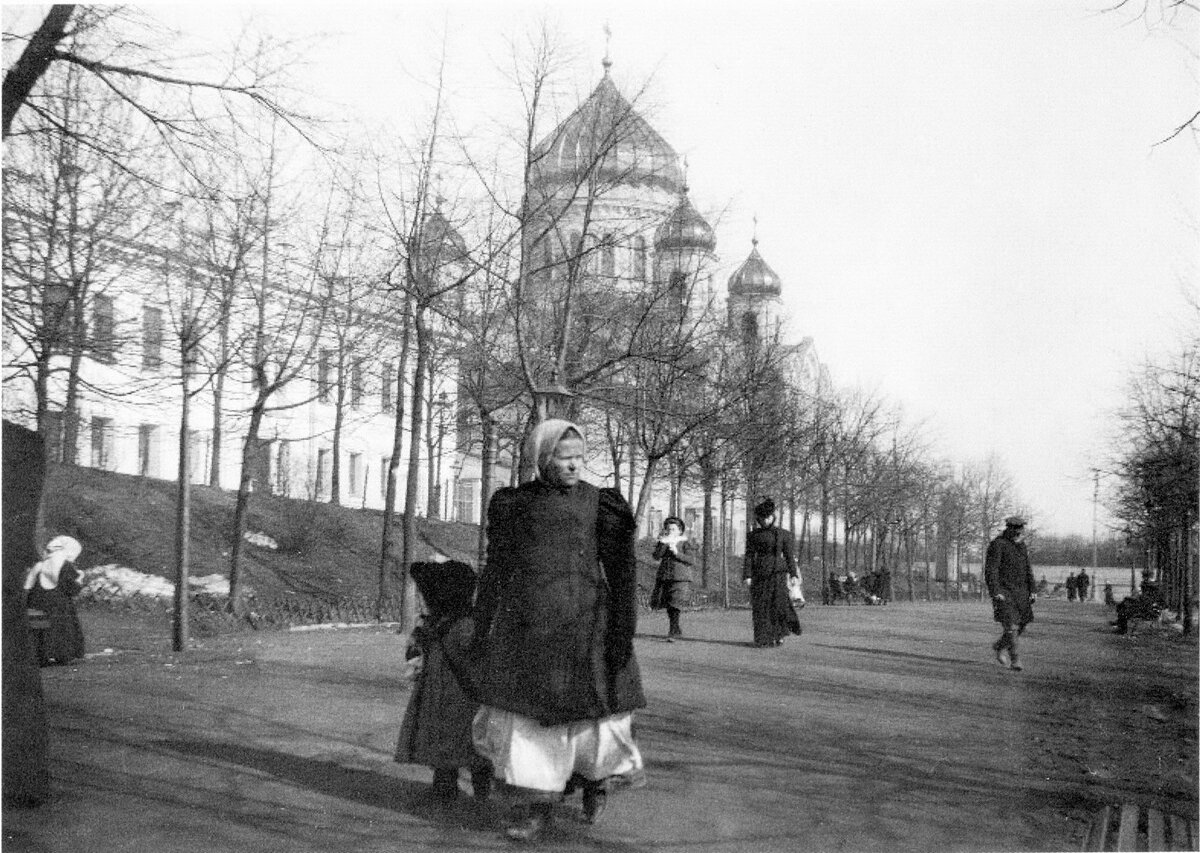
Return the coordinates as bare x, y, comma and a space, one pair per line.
436, 730
51, 586
1072, 586
1082, 583
673, 583
1009, 579
554, 624
833, 590
765, 568
1109, 599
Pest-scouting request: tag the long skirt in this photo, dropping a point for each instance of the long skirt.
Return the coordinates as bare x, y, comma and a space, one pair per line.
62, 641
540, 760
772, 611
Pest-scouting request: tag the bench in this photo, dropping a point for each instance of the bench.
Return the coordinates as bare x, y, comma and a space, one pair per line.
1133, 827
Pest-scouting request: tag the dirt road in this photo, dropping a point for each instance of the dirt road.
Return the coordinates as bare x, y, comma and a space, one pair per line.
881, 729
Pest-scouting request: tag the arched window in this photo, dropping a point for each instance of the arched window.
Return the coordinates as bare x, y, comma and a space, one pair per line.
639, 258
608, 257
750, 328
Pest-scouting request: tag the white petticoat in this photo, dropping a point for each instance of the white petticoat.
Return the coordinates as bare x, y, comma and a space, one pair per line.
526, 754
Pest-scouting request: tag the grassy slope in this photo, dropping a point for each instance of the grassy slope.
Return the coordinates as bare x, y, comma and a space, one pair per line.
325, 551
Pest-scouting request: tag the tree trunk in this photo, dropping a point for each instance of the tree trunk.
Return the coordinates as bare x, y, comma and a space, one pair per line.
39, 52
183, 514
386, 550
408, 605
643, 501
241, 509
488, 429
339, 418
214, 468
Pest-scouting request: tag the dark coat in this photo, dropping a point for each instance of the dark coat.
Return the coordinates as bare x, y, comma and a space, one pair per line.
26, 732
767, 564
557, 604
437, 723
1007, 572
673, 582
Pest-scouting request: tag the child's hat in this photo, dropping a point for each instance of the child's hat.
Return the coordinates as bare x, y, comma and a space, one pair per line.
446, 587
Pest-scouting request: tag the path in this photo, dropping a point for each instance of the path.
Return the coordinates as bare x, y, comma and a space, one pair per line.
881, 729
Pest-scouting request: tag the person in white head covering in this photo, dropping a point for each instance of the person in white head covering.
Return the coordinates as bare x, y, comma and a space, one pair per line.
50, 586
554, 623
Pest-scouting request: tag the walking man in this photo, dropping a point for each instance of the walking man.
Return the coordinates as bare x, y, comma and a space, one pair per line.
1009, 579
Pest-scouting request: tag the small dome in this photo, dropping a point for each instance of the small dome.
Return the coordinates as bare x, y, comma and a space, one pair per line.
441, 243
606, 138
685, 228
754, 277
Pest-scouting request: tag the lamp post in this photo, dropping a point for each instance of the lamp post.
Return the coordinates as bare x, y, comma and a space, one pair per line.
552, 401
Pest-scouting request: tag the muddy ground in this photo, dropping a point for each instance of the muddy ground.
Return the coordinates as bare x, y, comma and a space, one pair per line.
880, 729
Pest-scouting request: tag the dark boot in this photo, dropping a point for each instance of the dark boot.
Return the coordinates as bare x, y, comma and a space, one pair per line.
673, 616
481, 783
595, 800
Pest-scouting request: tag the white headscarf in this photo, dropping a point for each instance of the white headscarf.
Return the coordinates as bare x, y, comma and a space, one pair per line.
59, 551
542, 441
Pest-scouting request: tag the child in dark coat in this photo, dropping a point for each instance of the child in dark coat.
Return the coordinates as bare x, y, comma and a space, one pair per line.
437, 723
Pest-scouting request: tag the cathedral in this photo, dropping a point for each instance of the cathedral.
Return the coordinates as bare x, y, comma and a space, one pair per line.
606, 205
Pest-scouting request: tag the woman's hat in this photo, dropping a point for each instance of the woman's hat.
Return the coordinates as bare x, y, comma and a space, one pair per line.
765, 508
674, 519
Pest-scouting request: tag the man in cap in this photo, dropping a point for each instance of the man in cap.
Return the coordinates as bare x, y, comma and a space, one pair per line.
1009, 579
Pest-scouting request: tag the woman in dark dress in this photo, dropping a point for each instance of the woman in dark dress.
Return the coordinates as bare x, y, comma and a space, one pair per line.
554, 623
50, 587
673, 583
766, 567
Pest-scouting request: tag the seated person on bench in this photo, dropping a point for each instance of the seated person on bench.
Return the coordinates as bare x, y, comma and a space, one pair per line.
1147, 604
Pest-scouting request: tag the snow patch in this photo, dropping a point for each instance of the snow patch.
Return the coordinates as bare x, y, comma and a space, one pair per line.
117, 582
262, 540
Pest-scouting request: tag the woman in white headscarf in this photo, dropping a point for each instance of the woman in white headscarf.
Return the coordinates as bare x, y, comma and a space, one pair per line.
555, 618
50, 586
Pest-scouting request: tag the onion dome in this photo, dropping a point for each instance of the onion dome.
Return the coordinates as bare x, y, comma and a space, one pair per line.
441, 243
754, 277
606, 139
685, 228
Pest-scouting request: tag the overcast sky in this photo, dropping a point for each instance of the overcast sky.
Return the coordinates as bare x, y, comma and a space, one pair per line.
964, 200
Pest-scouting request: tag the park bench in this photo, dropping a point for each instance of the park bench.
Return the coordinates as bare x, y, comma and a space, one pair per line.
1133, 827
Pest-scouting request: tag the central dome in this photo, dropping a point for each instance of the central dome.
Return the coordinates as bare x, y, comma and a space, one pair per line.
606, 139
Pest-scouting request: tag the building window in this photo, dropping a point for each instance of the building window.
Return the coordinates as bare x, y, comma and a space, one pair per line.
104, 345
466, 499
356, 383
749, 328
325, 375
356, 472
53, 434
283, 469
152, 337
385, 388
102, 443
639, 258
324, 473
148, 450
608, 257
385, 463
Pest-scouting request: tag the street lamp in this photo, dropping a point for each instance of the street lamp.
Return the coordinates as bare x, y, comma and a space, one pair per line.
551, 401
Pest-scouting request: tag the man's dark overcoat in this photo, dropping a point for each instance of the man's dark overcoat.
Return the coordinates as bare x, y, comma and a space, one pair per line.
1007, 572
557, 605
